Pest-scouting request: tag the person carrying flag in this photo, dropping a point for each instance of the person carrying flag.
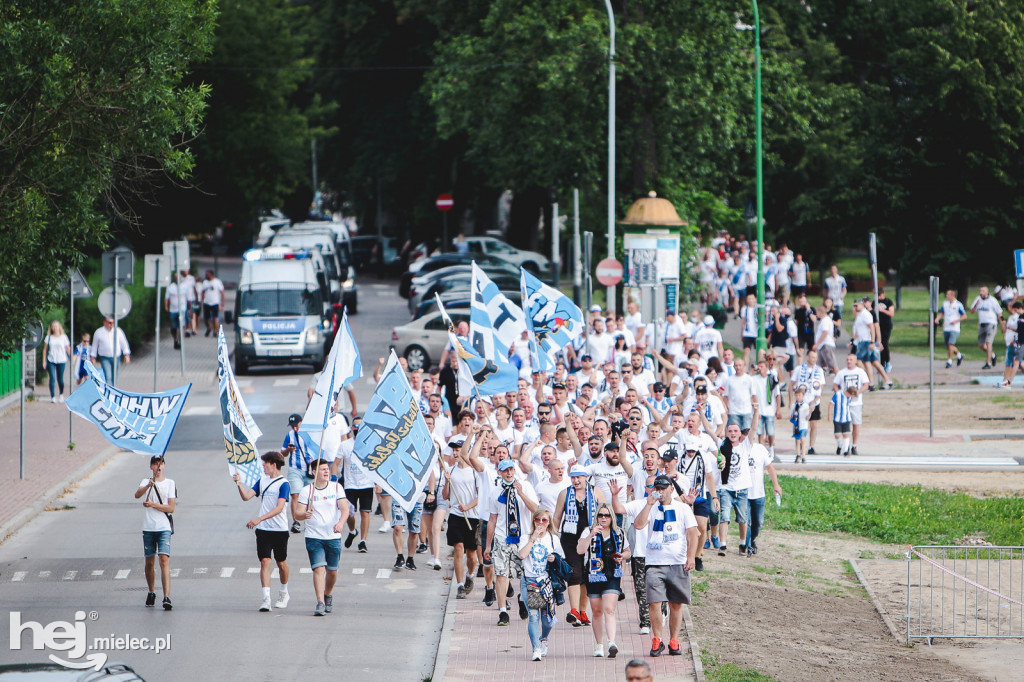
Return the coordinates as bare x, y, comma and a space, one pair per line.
298, 462
271, 525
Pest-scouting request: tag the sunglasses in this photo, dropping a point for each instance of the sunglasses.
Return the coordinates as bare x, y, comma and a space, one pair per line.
544, 413
543, 520
604, 516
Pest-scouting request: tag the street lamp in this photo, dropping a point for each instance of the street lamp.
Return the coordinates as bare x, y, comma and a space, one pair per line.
761, 342
610, 295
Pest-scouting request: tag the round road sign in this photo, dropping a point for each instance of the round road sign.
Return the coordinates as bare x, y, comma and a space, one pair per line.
105, 302
609, 272
444, 202
33, 334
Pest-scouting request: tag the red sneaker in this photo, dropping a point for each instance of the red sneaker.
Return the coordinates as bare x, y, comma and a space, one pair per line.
673, 648
657, 647
584, 618
573, 618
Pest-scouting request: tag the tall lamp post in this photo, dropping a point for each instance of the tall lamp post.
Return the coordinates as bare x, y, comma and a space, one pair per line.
610, 296
761, 342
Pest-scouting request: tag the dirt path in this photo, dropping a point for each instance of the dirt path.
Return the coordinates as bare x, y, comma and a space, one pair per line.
969, 408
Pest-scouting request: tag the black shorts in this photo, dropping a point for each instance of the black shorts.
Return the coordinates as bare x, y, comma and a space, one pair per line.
211, 312
815, 414
459, 533
797, 290
750, 342
572, 557
844, 427
272, 542
361, 498
805, 340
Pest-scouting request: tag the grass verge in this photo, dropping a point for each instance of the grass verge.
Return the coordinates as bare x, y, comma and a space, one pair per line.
729, 672
895, 514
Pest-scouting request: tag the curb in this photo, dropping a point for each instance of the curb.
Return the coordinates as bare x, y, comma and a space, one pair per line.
698, 668
874, 602
22, 518
447, 628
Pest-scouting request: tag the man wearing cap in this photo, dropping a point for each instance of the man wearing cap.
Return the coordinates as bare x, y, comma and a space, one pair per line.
589, 373
159, 497
512, 505
574, 513
708, 340
671, 554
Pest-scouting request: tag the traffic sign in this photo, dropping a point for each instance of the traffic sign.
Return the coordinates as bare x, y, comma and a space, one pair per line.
105, 302
157, 265
1018, 260
444, 202
609, 272
179, 254
124, 269
33, 334
79, 287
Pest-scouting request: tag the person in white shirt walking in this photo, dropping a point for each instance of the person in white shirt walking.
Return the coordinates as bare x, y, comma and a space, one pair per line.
835, 288
324, 508
1013, 334
869, 343
952, 314
212, 290
176, 304
107, 351
990, 314
271, 525
58, 350
854, 381
160, 500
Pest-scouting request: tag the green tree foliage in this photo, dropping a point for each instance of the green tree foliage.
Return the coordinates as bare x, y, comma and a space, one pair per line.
91, 106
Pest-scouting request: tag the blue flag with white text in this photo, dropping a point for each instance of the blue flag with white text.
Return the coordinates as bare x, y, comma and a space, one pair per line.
494, 321
140, 422
478, 374
393, 442
551, 316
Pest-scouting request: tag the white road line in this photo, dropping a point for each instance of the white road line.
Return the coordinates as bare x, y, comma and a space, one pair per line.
253, 569
44, 574
227, 571
258, 409
243, 383
123, 574
287, 381
198, 410
70, 575
19, 576
306, 571
358, 571
276, 573
97, 572
175, 572
383, 573
200, 571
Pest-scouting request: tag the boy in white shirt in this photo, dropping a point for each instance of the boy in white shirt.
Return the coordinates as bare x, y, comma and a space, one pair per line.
800, 420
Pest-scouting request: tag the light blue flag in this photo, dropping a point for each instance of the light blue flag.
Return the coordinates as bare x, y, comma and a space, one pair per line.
240, 429
551, 316
480, 375
140, 422
495, 323
343, 366
393, 442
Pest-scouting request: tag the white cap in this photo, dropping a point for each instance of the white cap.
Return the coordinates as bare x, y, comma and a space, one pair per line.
709, 321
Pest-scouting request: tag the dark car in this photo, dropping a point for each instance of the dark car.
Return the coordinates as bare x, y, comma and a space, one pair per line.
461, 276
456, 283
444, 260
458, 301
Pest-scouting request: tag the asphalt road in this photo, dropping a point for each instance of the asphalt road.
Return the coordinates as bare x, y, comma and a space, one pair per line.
88, 557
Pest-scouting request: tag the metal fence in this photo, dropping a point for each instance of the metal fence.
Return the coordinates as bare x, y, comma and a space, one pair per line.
965, 592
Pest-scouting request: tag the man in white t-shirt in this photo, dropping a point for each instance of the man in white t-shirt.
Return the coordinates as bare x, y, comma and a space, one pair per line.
271, 525
748, 313
324, 508
835, 288
212, 291
853, 379
1014, 343
759, 461
952, 314
673, 335
159, 497
868, 342
511, 506
708, 340
732, 495
738, 391
176, 304
671, 550
990, 313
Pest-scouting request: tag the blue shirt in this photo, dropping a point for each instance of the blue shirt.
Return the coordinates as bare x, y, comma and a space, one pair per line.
300, 457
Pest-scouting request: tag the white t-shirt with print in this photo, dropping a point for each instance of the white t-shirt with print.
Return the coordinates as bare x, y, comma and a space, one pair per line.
757, 460
671, 553
326, 513
270, 490
535, 565
952, 310
851, 378
988, 310
739, 470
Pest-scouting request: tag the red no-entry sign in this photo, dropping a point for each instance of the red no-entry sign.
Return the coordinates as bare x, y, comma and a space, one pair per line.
609, 272
444, 202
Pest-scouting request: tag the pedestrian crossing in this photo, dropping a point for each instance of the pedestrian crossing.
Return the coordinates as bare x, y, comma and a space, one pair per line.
905, 462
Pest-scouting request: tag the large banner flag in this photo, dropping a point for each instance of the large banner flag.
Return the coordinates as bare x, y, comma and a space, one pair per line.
495, 323
551, 316
240, 430
477, 374
343, 366
393, 442
140, 422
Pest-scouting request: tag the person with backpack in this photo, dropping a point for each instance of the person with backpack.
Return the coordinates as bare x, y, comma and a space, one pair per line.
271, 525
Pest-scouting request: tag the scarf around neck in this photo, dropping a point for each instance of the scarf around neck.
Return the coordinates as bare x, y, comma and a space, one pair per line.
596, 560
571, 520
664, 528
509, 498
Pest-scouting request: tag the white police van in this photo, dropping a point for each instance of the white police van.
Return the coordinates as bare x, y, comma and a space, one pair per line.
281, 313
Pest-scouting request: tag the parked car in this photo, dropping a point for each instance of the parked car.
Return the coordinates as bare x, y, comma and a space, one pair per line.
443, 260
453, 300
528, 260
365, 249
458, 281
422, 341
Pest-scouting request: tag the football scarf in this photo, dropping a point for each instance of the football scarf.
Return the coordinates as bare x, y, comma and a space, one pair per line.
571, 519
509, 498
664, 528
596, 559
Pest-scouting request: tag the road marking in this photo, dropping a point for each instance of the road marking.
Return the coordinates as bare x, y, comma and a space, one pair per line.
243, 383
19, 576
306, 571
276, 573
289, 381
227, 571
44, 574
253, 569
383, 573
358, 571
97, 572
175, 572
70, 575
200, 571
122, 574
199, 410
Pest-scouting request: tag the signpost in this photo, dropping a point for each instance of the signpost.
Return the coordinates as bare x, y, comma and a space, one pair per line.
178, 252
77, 288
33, 335
933, 308
157, 273
444, 203
118, 269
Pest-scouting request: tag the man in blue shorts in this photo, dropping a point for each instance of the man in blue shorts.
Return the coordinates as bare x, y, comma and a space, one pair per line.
324, 508
158, 495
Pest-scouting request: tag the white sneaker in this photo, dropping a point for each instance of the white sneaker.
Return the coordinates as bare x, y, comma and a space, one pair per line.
537, 655
645, 631
265, 606
543, 647
384, 528
282, 600
599, 651
60, 398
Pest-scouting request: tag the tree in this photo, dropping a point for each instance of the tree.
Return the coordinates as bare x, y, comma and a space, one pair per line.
91, 107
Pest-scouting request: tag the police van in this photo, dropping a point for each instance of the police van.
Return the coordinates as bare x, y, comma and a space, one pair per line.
281, 312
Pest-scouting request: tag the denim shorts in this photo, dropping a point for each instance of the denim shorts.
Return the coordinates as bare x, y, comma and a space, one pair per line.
297, 480
950, 338
742, 420
324, 553
733, 499
766, 426
1011, 355
399, 517
156, 542
599, 589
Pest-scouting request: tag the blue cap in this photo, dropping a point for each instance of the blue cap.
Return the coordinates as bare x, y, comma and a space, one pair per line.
505, 464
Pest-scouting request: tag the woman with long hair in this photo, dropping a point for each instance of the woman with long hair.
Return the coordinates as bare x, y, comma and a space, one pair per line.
58, 350
606, 550
538, 550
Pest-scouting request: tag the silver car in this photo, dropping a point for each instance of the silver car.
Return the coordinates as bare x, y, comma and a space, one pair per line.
422, 341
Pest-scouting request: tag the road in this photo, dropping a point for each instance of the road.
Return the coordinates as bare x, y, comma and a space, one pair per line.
88, 557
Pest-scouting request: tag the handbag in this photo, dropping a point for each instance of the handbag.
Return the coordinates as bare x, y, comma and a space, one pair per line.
430, 505
535, 596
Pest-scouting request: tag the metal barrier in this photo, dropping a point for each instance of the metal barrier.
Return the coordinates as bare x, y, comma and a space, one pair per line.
965, 592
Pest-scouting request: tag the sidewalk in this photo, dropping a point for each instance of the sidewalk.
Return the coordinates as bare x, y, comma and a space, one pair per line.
480, 651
